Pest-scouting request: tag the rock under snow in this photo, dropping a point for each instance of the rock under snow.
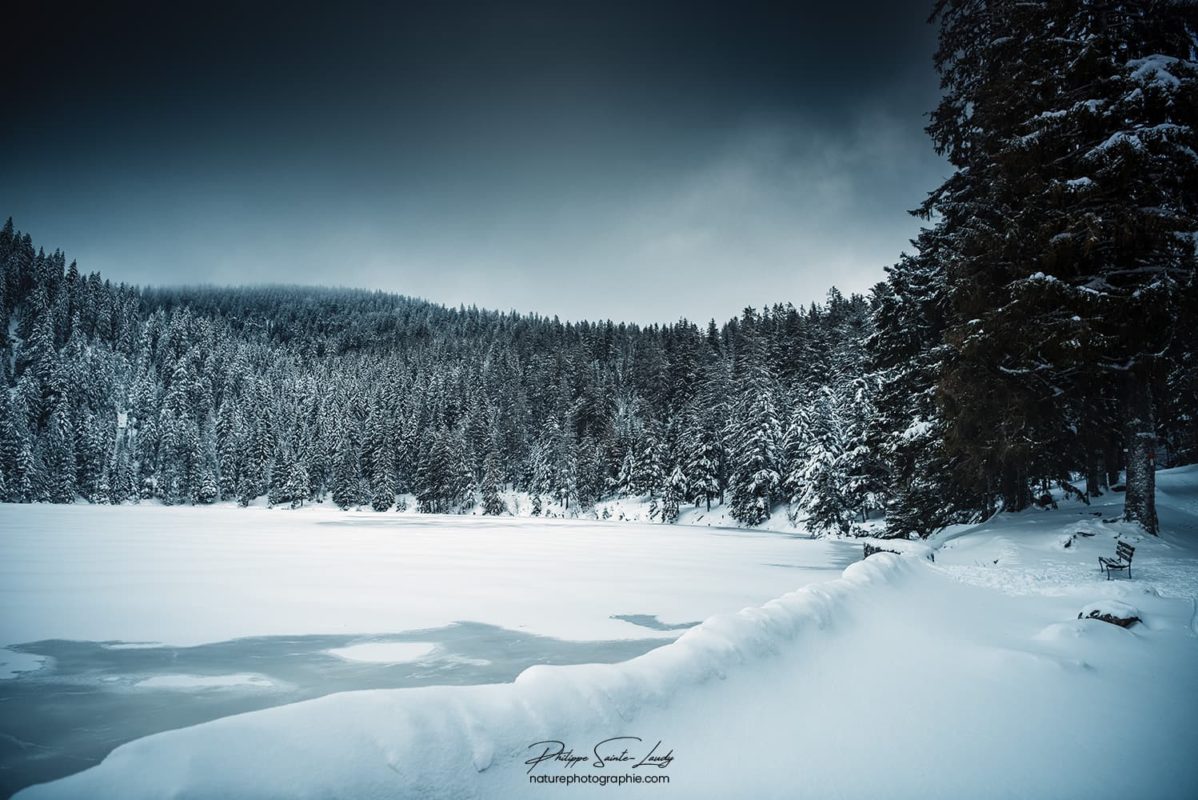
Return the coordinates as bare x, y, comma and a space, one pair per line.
1111, 611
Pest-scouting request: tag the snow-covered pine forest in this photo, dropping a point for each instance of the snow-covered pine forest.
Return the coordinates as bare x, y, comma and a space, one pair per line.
298, 395
1041, 330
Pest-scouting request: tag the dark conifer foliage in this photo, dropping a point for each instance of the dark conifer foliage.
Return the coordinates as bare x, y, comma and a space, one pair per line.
1062, 255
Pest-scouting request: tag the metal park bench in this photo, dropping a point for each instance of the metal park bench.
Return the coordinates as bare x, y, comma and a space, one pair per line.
1124, 553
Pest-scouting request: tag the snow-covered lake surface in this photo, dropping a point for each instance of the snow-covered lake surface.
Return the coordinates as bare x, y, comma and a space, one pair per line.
184, 576
122, 622
969, 676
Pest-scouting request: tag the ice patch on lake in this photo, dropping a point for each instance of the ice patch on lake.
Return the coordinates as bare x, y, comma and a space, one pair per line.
466, 661
187, 682
384, 652
133, 645
13, 663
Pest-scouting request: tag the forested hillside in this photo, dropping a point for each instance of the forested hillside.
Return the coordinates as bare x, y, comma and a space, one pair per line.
1041, 334
299, 395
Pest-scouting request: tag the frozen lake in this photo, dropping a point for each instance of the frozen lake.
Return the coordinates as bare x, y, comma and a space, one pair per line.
121, 622
91, 697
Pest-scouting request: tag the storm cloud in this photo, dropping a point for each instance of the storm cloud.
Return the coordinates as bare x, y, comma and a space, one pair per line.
634, 161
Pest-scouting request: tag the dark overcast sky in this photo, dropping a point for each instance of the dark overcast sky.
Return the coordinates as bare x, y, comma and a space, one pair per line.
632, 160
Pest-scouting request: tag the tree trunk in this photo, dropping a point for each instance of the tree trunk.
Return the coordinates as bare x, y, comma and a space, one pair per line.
1015, 492
1112, 459
1140, 435
1095, 475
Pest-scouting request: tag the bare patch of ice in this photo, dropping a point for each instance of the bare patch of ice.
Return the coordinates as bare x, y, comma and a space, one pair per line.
185, 682
14, 663
384, 652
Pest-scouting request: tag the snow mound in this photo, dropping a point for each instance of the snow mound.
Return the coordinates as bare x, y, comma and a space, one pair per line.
1062, 631
1075, 630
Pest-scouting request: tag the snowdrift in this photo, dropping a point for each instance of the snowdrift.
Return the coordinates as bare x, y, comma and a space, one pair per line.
440, 741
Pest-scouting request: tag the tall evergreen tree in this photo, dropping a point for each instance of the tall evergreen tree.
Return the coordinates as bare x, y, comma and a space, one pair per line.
1065, 229
754, 480
492, 500
347, 490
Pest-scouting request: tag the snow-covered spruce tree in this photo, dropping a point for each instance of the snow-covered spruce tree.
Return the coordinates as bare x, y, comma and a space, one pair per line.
433, 476
906, 430
701, 456
554, 469
230, 438
378, 460
347, 490
649, 468
444, 481
10, 448
1067, 229
756, 436
543, 480
56, 482
39, 357
122, 478
625, 481
864, 470
280, 467
318, 451
1179, 392
1001, 427
207, 490
255, 478
463, 489
795, 443
1145, 175
477, 425
591, 471
492, 499
295, 488
824, 482
29, 475
673, 495
91, 456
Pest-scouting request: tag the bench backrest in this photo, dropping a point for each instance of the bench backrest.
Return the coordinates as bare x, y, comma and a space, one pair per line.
1124, 551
